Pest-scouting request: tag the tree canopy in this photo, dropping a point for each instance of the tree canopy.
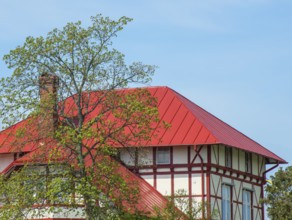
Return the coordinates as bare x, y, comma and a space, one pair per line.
279, 194
76, 125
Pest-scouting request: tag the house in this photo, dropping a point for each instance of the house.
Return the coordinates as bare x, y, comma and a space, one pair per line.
200, 155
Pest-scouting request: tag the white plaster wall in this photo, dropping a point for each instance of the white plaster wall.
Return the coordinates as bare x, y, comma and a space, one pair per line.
235, 158
163, 184
227, 180
180, 169
247, 186
242, 160
221, 155
197, 184
5, 160
215, 207
181, 182
215, 180
262, 168
149, 179
257, 195
237, 190
163, 170
203, 154
180, 155
145, 170
214, 154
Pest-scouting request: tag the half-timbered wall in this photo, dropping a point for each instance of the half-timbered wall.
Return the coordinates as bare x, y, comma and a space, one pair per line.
184, 175
200, 172
238, 179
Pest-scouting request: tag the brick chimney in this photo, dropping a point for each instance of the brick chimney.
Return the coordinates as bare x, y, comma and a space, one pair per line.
48, 85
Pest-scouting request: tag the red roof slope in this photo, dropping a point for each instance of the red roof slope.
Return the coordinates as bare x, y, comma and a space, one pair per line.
192, 125
11, 141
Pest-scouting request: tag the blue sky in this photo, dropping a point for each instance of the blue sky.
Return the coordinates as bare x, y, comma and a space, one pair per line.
231, 57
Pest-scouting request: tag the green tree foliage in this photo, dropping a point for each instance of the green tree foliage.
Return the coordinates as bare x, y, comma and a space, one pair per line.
180, 206
93, 117
279, 195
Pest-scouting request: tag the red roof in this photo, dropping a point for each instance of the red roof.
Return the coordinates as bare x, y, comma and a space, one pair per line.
190, 125
11, 141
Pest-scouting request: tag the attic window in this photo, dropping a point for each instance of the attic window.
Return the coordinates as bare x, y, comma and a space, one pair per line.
163, 155
228, 157
248, 162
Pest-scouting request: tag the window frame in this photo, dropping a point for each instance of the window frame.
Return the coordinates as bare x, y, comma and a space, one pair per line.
246, 205
248, 162
228, 157
226, 202
163, 149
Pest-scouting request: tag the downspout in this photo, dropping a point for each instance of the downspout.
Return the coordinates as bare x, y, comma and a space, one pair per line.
264, 182
202, 179
268, 170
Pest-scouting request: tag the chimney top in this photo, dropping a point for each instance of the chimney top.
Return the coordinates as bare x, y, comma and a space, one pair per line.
47, 78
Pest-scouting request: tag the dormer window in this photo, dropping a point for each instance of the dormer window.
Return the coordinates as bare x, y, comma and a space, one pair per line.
163, 155
228, 157
248, 162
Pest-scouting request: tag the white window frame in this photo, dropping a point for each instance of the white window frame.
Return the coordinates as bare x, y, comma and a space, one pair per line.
163, 155
226, 191
246, 204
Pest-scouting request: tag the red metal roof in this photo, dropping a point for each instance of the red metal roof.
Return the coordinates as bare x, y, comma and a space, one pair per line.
11, 141
190, 125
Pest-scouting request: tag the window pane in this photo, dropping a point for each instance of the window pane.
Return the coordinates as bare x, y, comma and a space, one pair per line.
226, 202
248, 162
247, 205
163, 155
228, 157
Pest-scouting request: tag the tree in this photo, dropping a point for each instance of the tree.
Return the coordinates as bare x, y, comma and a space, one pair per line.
279, 195
67, 88
181, 207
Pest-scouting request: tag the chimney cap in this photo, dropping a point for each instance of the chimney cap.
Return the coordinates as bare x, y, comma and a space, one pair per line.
48, 78
50, 75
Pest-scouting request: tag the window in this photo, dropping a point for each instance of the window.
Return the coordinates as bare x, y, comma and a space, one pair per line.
246, 205
228, 157
248, 162
226, 202
163, 155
